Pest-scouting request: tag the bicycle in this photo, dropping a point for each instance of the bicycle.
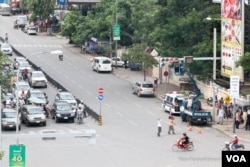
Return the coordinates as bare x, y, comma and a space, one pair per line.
79, 118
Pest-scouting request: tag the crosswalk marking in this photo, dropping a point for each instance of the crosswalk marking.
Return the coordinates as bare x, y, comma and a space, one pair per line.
37, 45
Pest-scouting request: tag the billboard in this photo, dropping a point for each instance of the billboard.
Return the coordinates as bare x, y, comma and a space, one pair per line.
232, 42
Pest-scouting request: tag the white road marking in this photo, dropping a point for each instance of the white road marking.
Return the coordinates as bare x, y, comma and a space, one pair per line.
125, 98
80, 86
73, 81
137, 105
151, 113
133, 123
120, 114
116, 92
107, 105
90, 93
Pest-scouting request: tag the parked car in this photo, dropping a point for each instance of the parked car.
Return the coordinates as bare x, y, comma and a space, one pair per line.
31, 30
62, 111
17, 60
6, 49
117, 62
24, 65
32, 115
25, 29
9, 119
68, 97
135, 66
36, 96
37, 79
143, 88
20, 86
102, 64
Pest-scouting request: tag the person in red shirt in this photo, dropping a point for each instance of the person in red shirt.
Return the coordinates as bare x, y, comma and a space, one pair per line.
235, 142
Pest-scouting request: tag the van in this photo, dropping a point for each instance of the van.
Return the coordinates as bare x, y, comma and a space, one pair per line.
21, 21
172, 101
4, 9
243, 104
102, 64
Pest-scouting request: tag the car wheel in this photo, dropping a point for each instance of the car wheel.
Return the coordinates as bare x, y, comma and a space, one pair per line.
138, 94
27, 123
19, 128
45, 86
56, 120
44, 124
73, 120
133, 91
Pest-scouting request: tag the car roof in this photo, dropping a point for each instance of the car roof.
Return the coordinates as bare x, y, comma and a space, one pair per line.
64, 93
31, 106
5, 44
37, 72
35, 90
8, 110
61, 103
21, 83
145, 82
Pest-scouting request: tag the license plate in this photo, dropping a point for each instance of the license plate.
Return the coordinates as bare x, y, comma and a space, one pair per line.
10, 126
199, 119
37, 121
65, 117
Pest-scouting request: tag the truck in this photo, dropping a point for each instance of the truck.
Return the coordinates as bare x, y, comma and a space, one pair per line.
21, 21
191, 110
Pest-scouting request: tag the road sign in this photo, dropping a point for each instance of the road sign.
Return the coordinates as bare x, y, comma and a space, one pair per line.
100, 90
234, 86
17, 155
100, 97
116, 32
165, 73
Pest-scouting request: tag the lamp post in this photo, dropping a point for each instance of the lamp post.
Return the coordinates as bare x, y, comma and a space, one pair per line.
215, 90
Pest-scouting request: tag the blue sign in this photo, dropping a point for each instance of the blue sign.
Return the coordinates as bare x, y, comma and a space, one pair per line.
100, 97
61, 2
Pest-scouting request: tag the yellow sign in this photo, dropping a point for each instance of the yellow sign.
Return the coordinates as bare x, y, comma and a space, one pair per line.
227, 99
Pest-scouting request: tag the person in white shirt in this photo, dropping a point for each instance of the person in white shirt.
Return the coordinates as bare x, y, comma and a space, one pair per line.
221, 115
159, 127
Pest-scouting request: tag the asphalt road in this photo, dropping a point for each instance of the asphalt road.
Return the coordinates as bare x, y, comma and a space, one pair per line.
127, 137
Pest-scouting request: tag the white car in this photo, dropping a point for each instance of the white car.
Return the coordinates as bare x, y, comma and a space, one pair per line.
6, 49
117, 62
102, 64
37, 79
17, 60
24, 65
32, 30
20, 86
9, 119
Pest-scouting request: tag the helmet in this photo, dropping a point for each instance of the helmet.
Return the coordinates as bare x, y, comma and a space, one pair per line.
235, 135
184, 134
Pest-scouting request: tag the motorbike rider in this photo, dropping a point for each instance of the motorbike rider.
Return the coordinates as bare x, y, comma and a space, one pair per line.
12, 102
234, 143
61, 56
25, 73
184, 140
83, 108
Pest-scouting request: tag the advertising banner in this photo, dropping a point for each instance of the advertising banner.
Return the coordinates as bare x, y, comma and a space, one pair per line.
231, 37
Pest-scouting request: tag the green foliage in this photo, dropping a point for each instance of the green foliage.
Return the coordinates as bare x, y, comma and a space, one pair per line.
5, 74
244, 61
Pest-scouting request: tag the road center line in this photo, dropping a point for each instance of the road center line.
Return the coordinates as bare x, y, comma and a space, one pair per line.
120, 114
125, 98
137, 105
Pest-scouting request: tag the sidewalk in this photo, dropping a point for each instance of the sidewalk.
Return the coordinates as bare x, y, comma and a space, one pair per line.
133, 76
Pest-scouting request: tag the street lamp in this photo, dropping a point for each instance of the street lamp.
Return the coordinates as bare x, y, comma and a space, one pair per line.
214, 65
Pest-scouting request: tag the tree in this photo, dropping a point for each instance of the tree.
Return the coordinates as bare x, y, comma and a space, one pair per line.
244, 61
5, 75
137, 54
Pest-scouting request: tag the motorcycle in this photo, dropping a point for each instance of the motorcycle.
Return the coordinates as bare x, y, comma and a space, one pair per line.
210, 101
61, 57
178, 146
228, 147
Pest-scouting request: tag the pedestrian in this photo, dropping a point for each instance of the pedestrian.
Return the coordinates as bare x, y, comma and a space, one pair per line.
248, 122
155, 82
237, 119
159, 127
171, 125
221, 116
83, 108
244, 116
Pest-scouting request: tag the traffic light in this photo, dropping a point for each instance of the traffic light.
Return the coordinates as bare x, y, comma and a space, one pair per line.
163, 61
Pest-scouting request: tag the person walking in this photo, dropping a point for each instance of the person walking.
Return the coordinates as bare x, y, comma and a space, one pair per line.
221, 115
159, 127
171, 125
155, 82
237, 119
244, 116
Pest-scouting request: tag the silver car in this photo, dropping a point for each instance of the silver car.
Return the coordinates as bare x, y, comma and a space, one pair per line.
68, 97
143, 88
31, 114
37, 79
9, 119
117, 62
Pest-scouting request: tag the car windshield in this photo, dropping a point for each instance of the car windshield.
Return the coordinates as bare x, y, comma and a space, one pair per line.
9, 96
24, 64
106, 62
63, 107
35, 110
22, 87
5, 46
9, 114
147, 85
39, 95
67, 97
37, 75
32, 28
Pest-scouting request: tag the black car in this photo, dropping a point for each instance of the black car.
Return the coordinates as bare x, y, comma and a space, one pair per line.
62, 111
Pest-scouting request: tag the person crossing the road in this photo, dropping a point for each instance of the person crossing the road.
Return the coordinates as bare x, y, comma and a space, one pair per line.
79, 115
